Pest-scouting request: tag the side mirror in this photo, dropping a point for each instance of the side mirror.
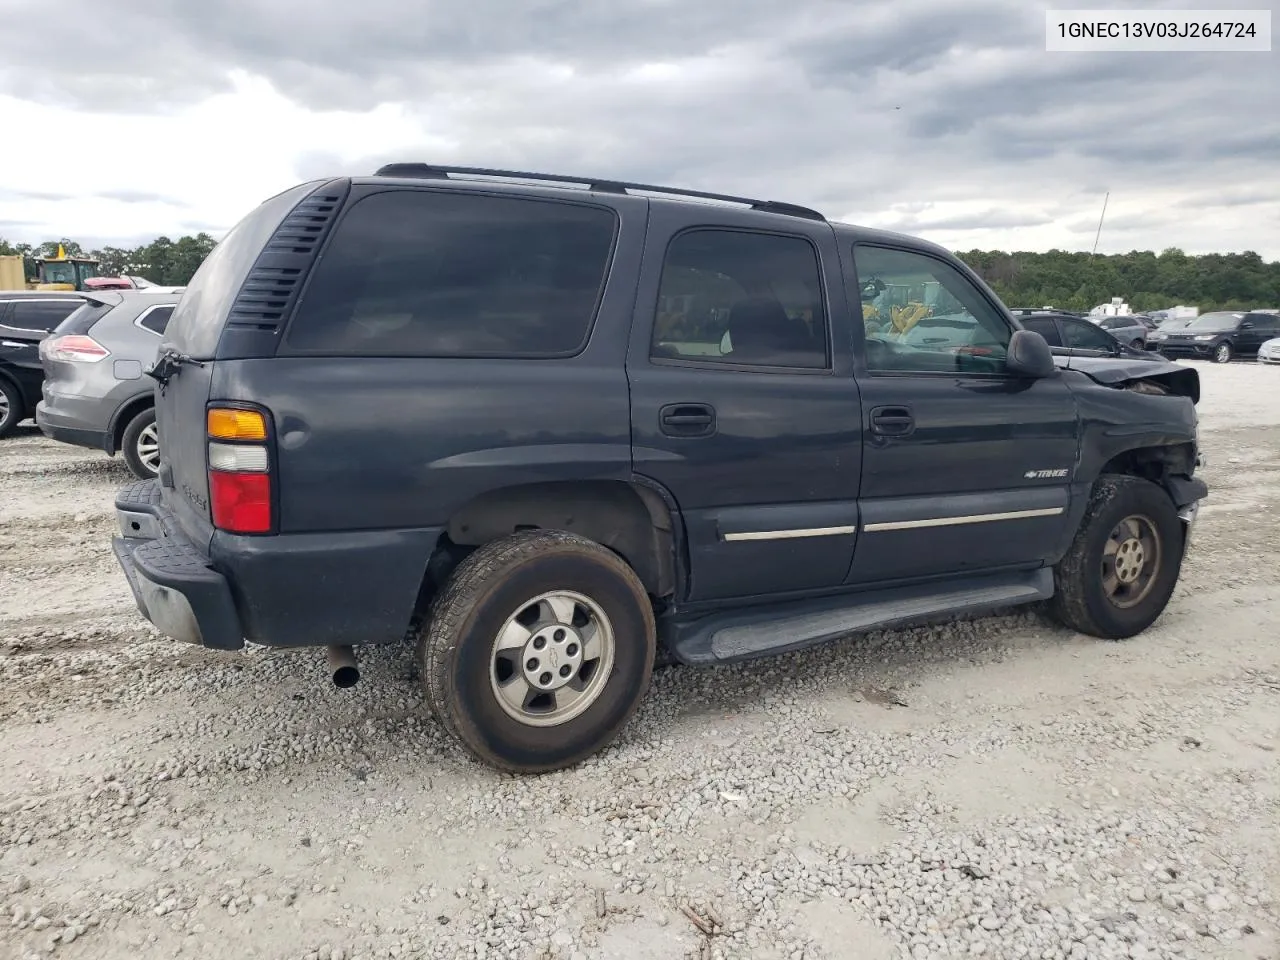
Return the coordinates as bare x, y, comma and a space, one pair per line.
1030, 356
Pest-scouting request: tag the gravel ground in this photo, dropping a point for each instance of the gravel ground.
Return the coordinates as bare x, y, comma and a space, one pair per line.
999, 788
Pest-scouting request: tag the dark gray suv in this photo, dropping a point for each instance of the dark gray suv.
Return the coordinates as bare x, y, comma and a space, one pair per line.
548, 425
95, 391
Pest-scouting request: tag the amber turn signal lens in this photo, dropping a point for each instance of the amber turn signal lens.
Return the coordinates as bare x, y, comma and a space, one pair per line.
237, 425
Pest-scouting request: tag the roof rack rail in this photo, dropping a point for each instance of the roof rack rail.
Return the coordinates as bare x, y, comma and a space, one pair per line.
427, 171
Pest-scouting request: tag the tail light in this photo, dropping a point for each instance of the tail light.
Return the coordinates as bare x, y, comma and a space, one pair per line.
239, 470
73, 348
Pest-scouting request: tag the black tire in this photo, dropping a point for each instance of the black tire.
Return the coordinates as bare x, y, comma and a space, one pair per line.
1080, 600
129, 440
1223, 353
1138, 345
11, 408
456, 647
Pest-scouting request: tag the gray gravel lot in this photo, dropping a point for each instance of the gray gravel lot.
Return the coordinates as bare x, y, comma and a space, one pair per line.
999, 788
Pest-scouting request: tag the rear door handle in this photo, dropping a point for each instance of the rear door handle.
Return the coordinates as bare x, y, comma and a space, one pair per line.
892, 421
688, 419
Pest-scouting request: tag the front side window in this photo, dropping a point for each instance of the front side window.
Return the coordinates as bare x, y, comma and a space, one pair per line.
434, 274
921, 315
741, 298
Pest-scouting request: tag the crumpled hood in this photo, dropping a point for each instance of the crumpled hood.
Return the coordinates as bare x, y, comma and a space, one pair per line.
1117, 371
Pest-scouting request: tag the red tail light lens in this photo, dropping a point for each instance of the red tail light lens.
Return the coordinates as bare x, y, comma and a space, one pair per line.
74, 348
240, 502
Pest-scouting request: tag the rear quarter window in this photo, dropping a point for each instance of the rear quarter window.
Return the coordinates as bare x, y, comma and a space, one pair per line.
434, 274
155, 319
198, 319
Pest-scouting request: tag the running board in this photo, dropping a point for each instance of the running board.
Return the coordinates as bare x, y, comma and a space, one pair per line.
762, 631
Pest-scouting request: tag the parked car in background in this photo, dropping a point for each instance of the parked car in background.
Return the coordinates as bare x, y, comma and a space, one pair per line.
95, 391
1126, 329
1269, 352
26, 318
1165, 327
1072, 335
1222, 336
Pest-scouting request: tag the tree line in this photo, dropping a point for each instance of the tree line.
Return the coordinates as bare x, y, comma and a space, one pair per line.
1146, 280
1060, 278
164, 261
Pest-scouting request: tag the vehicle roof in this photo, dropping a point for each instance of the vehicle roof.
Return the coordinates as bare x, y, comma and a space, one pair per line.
561, 186
41, 295
117, 297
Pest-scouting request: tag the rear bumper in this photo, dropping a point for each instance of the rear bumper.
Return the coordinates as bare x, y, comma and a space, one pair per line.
66, 430
172, 582
288, 590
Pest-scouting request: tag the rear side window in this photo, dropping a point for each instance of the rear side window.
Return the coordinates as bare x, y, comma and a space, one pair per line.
420, 273
1083, 335
750, 299
155, 319
41, 315
1046, 327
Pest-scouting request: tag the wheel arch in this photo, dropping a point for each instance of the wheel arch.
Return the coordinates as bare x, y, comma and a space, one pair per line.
633, 520
25, 402
120, 419
1154, 462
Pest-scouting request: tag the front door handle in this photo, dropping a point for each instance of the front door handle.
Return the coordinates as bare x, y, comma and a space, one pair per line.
892, 421
688, 419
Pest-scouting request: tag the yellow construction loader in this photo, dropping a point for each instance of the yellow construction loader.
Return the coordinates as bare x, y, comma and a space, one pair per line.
59, 272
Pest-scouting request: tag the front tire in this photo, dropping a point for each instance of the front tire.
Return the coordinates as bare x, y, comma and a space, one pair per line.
1222, 353
1120, 571
11, 404
538, 650
140, 445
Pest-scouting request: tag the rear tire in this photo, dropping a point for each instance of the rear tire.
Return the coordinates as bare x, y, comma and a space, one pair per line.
1138, 345
140, 445
538, 650
1121, 569
1222, 353
11, 407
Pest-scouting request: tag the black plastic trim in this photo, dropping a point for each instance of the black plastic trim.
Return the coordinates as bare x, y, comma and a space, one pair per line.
272, 287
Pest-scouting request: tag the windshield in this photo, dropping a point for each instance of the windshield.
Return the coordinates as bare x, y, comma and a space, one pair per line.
1216, 321
59, 273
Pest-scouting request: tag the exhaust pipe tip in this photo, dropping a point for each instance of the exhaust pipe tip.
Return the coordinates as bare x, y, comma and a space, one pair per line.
342, 663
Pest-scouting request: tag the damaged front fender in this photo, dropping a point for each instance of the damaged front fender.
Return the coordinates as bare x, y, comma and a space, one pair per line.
1143, 376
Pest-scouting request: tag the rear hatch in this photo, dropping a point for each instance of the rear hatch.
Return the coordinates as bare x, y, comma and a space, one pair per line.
236, 287
75, 336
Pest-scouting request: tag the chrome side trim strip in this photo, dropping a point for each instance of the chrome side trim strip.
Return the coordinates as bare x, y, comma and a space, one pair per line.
790, 534
956, 521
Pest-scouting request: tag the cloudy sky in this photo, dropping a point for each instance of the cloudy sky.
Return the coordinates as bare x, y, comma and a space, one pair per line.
941, 118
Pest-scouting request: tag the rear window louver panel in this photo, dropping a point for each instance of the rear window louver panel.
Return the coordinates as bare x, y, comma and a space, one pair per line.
272, 286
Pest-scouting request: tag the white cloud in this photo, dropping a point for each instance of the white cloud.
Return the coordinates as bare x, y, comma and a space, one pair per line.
213, 160
943, 119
